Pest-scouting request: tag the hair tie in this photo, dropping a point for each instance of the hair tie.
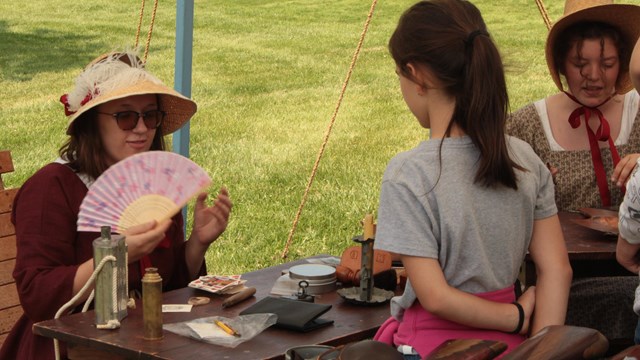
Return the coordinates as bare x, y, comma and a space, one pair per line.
468, 42
520, 318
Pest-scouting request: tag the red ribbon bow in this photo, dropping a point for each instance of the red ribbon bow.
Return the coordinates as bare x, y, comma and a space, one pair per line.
602, 133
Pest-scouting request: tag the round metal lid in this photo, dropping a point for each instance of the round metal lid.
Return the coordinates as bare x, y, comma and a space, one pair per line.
312, 272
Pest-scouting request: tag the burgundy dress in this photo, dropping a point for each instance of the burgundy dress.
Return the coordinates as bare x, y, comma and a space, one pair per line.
49, 251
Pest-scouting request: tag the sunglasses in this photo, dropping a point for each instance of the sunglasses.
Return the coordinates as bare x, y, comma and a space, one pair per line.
128, 120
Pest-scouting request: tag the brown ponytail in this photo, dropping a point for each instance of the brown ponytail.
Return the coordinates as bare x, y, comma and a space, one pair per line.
450, 38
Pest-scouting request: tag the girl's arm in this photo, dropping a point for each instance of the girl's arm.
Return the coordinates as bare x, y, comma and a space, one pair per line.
549, 254
440, 299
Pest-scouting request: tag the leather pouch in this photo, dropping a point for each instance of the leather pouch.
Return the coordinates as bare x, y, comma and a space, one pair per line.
294, 315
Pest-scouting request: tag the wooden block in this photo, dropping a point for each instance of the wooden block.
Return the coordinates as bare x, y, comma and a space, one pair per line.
8, 296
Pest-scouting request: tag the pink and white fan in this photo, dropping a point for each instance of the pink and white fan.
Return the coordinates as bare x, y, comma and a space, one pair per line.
153, 185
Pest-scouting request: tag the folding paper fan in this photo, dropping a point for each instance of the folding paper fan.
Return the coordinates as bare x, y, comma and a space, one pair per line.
153, 185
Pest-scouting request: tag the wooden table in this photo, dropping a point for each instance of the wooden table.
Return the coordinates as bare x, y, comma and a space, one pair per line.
352, 323
592, 253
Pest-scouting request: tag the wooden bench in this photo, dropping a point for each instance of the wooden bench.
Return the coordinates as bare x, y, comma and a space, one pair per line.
10, 309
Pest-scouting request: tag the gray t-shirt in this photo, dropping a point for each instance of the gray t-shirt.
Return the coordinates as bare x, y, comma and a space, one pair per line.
479, 235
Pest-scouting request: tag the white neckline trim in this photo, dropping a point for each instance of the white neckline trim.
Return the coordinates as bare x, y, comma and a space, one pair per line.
629, 113
86, 179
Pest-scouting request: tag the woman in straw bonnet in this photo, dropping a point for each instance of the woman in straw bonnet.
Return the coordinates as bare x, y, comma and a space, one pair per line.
117, 109
589, 135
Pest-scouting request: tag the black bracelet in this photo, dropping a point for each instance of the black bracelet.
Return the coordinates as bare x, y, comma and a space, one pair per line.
520, 318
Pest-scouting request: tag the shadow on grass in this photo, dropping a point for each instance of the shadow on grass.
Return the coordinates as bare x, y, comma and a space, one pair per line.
24, 55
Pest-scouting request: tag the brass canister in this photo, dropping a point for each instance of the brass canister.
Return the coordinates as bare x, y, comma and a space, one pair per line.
152, 304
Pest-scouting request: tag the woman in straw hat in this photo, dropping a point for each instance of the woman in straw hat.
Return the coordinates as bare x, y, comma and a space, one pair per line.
117, 109
589, 135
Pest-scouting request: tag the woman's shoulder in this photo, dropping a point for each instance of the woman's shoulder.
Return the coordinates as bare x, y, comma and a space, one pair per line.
524, 111
524, 120
53, 173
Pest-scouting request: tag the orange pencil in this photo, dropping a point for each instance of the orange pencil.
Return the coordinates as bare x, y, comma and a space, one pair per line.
226, 328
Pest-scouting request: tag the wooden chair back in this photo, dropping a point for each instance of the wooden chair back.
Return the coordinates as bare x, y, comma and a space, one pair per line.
10, 309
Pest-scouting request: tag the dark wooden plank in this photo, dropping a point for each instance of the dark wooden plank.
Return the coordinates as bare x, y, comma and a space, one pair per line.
7, 247
9, 318
6, 277
82, 352
352, 323
6, 269
6, 227
8, 296
6, 164
585, 247
6, 199
584, 243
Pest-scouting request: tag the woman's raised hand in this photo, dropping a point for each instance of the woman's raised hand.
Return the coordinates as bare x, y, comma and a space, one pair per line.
211, 221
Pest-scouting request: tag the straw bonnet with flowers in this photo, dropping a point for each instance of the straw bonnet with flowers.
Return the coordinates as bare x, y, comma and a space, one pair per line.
118, 75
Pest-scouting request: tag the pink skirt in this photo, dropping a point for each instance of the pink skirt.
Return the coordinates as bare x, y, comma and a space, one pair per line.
424, 331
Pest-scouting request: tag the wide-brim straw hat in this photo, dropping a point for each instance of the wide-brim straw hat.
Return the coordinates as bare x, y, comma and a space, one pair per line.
624, 17
118, 75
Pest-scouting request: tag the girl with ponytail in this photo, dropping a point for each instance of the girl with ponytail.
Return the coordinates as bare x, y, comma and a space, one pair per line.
463, 208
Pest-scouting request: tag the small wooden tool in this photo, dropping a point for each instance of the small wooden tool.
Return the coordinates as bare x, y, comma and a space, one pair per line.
239, 297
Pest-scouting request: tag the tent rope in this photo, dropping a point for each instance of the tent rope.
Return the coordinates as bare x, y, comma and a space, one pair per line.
328, 132
139, 24
543, 12
153, 20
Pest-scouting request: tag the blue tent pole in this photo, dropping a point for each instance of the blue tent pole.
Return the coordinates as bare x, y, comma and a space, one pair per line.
182, 82
184, 56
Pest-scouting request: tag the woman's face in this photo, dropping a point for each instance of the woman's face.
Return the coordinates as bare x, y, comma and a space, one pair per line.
591, 74
120, 144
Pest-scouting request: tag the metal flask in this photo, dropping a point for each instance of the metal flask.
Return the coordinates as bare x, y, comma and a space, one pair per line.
111, 282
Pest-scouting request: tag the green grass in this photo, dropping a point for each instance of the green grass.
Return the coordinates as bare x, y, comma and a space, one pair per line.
266, 77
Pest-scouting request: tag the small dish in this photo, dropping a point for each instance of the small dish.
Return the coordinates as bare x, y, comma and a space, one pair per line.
599, 219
